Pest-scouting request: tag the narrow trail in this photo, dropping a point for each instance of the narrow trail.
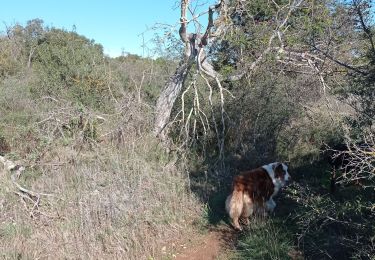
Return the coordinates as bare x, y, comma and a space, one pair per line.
210, 246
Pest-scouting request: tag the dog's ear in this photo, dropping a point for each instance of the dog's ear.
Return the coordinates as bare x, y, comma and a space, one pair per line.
279, 170
278, 166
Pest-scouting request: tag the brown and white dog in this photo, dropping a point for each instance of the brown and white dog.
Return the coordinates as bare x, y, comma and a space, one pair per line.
253, 191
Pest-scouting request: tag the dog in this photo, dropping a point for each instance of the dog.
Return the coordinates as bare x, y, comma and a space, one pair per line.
253, 192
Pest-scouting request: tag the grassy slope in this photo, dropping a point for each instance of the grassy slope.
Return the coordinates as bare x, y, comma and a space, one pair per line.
118, 194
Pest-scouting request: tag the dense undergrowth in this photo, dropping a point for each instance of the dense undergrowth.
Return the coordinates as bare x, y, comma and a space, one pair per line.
81, 124
309, 222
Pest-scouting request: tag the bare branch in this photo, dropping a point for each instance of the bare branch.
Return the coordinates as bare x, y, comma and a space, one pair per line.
278, 32
194, 51
350, 67
366, 29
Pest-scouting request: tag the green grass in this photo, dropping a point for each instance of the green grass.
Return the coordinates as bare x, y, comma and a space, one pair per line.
11, 230
265, 239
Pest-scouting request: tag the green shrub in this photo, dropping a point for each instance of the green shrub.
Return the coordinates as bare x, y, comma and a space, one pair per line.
71, 66
339, 226
9, 65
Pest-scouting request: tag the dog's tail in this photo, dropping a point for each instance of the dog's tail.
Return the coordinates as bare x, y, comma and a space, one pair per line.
234, 202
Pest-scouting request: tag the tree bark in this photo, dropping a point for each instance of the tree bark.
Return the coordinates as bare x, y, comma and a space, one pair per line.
194, 52
168, 97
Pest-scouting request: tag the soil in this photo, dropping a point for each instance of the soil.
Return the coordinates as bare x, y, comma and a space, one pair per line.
216, 243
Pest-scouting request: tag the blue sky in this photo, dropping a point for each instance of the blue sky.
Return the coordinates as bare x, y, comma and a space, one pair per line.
115, 24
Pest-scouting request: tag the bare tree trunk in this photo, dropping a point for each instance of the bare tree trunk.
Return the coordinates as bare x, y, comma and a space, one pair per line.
30, 57
168, 97
194, 45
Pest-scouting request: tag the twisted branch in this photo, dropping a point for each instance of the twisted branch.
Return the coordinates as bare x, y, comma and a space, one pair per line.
16, 171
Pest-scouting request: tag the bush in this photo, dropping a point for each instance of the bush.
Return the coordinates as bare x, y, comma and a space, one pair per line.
338, 227
71, 66
10, 64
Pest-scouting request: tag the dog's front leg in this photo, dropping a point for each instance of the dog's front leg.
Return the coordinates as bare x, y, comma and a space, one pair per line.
270, 205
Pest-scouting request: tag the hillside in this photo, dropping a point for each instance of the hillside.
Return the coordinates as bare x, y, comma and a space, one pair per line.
133, 157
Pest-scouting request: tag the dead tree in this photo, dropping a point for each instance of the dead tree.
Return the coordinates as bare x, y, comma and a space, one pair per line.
194, 53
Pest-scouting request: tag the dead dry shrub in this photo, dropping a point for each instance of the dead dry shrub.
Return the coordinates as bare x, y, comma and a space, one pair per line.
357, 161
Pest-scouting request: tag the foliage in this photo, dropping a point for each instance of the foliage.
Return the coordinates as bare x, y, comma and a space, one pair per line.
284, 112
143, 76
263, 108
360, 93
83, 123
9, 62
339, 226
71, 65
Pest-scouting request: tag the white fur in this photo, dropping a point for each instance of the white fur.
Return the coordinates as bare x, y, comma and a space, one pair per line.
234, 206
248, 207
285, 168
270, 168
270, 205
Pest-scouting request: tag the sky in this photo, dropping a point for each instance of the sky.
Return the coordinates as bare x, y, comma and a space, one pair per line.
119, 25
116, 24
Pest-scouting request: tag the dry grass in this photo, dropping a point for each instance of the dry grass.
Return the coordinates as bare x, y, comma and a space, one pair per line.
118, 193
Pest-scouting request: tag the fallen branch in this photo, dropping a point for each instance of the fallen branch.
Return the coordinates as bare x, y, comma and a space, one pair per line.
15, 171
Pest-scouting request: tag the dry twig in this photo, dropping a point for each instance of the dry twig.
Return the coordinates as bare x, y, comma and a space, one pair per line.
15, 171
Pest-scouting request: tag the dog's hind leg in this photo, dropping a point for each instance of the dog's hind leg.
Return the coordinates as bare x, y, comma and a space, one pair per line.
234, 207
248, 208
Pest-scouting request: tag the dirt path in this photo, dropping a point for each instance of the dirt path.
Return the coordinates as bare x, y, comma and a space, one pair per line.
210, 246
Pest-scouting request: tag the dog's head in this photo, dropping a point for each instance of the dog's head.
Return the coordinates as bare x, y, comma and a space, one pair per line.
281, 173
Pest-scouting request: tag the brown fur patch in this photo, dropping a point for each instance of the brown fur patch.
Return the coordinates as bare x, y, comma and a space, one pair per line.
279, 171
